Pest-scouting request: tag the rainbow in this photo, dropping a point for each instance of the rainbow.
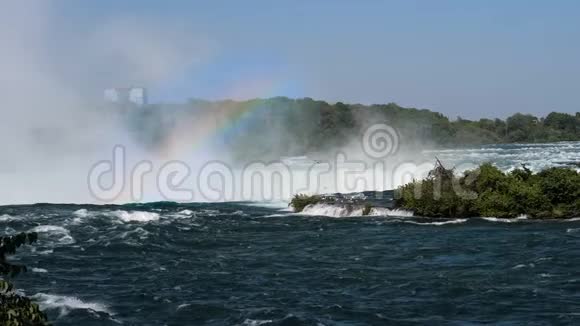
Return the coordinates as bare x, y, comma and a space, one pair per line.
222, 123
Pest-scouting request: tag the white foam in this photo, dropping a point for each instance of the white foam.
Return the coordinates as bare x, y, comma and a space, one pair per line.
186, 213
519, 266
256, 322
330, 210
55, 230
282, 205
380, 211
343, 211
82, 213
276, 215
39, 270
506, 220
65, 304
210, 212
535, 156
135, 216
438, 223
575, 219
49, 229
7, 218
139, 232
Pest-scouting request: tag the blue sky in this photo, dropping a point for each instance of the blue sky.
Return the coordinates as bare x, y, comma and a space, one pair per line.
462, 58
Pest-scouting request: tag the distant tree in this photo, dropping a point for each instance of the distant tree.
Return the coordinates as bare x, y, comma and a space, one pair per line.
520, 126
15, 309
279, 126
565, 126
487, 124
560, 121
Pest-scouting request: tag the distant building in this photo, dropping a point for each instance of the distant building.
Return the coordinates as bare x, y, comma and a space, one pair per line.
126, 95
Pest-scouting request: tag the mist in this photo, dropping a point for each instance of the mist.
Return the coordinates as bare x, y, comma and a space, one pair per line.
56, 128
53, 126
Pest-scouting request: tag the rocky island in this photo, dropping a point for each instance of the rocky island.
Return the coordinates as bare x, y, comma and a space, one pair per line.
483, 192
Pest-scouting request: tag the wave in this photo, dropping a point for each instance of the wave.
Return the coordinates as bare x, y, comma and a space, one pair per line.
39, 270
7, 218
256, 322
380, 211
135, 216
331, 210
43, 252
127, 216
520, 266
275, 215
506, 220
65, 304
82, 213
282, 205
439, 223
575, 219
50, 229
137, 232
186, 212
55, 230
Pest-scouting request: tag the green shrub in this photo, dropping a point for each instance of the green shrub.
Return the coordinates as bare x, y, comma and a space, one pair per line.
299, 201
561, 185
487, 191
15, 309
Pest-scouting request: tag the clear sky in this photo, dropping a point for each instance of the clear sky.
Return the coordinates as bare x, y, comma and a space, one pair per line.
468, 58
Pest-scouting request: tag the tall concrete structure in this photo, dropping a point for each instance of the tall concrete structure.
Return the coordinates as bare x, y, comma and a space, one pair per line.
126, 96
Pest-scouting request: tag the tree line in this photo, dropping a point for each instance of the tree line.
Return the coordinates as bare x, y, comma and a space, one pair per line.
283, 126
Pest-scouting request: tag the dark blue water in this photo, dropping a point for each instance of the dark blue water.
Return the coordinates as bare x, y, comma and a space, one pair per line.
235, 264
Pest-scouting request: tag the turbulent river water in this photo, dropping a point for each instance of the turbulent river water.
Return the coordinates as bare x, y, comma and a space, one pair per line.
259, 264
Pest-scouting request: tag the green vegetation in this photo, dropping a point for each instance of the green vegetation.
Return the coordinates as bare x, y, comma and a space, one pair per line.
299, 201
15, 309
280, 126
487, 191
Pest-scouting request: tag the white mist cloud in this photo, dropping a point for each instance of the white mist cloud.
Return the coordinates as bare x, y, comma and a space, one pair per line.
51, 126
